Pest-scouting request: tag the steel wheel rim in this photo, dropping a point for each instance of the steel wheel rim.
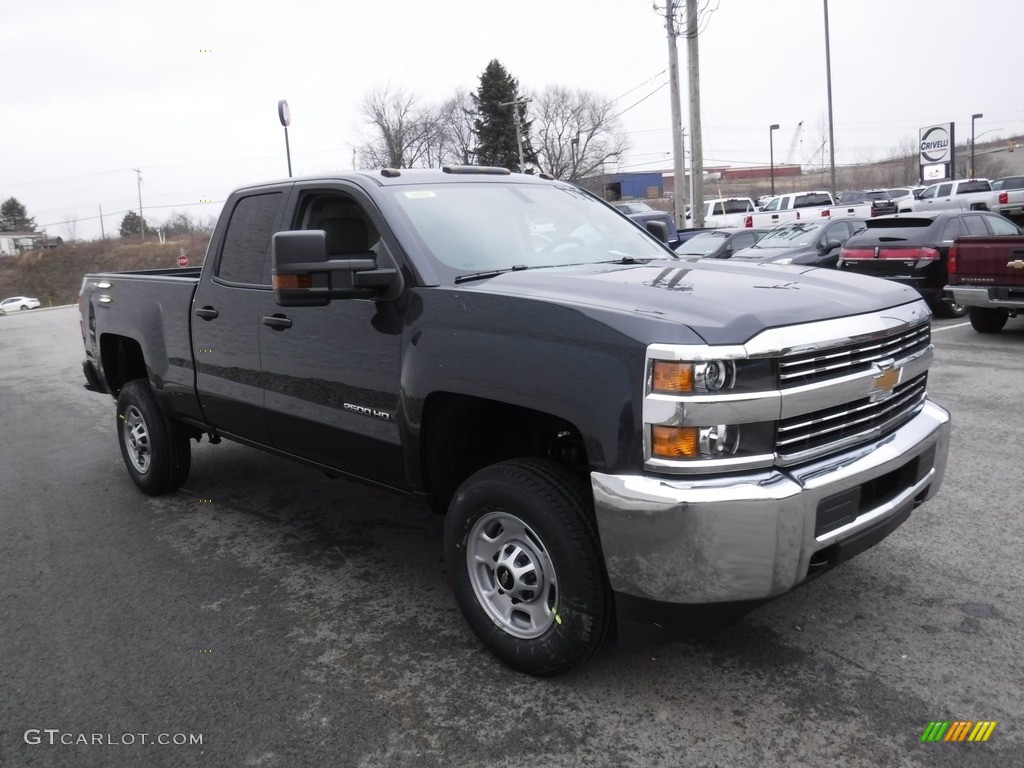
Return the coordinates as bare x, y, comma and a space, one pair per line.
512, 575
136, 439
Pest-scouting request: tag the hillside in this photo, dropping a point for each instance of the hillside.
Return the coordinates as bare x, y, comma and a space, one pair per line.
55, 277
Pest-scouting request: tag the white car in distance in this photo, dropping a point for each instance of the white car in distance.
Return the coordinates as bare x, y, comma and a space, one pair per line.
17, 304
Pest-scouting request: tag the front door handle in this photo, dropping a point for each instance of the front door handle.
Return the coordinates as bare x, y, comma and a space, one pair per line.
278, 322
207, 313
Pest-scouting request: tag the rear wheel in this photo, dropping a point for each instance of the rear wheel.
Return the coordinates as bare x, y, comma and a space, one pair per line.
988, 319
527, 568
155, 449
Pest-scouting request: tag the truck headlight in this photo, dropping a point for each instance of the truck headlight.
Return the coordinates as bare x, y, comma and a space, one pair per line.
720, 441
670, 377
685, 377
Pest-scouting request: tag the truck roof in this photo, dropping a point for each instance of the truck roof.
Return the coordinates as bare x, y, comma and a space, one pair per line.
400, 176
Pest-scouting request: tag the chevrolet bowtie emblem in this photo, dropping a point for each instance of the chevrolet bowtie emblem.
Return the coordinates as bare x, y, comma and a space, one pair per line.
1016, 264
885, 381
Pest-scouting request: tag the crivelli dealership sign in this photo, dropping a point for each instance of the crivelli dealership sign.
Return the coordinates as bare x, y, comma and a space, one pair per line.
937, 149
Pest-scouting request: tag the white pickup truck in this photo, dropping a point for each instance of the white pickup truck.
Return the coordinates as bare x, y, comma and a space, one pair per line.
789, 207
960, 194
1009, 197
727, 211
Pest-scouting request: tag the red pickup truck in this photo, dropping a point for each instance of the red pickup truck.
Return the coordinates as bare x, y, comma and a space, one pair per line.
986, 274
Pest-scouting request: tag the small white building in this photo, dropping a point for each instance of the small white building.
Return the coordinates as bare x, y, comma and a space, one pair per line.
15, 243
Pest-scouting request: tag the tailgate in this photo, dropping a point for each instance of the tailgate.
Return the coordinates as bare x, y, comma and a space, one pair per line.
989, 262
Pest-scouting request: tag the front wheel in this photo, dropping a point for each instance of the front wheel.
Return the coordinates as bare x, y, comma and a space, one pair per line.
155, 449
988, 319
525, 559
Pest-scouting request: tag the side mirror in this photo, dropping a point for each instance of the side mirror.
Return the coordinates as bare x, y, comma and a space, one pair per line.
659, 229
830, 245
304, 276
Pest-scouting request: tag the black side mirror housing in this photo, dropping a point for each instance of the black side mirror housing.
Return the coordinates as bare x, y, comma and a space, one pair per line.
304, 276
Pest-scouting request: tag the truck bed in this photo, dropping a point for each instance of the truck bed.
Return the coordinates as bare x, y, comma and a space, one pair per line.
150, 308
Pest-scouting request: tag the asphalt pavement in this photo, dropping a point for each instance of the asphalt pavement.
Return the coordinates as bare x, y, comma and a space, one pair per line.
266, 615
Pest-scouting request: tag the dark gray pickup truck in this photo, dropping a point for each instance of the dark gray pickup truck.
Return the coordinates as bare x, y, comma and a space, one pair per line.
613, 434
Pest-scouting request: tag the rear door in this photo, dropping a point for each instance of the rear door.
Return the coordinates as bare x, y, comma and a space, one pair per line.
227, 308
331, 373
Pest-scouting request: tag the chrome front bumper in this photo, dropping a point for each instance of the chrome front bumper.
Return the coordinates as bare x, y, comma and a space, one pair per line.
689, 540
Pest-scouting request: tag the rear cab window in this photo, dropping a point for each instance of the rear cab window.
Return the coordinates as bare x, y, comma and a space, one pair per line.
243, 257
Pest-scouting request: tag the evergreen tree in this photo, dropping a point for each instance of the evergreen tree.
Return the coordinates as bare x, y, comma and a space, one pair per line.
495, 124
14, 217
132, 224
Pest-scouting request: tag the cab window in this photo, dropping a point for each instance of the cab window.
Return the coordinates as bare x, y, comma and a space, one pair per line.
244, 254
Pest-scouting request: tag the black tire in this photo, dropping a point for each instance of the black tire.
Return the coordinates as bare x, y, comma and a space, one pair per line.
155, 449
526, 564
988, 319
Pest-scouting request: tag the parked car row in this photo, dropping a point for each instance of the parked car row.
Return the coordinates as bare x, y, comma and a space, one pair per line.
860, 232
912, 249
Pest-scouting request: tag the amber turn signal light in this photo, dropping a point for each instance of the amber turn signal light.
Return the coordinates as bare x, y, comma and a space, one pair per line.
293, 281
672, 377
674, 442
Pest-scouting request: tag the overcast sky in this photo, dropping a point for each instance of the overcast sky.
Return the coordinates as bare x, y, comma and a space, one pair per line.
187, 91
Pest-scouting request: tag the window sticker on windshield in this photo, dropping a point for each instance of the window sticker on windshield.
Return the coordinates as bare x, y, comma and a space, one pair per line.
419, 194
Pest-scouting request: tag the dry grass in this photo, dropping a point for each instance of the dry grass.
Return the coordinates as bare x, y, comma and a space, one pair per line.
55, 277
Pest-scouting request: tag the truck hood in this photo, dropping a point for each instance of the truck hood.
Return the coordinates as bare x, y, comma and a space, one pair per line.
722, 302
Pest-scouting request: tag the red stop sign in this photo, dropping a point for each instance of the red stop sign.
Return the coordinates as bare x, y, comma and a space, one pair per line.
183, 261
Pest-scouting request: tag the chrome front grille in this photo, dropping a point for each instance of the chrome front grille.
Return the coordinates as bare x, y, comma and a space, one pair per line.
832, 362
848, 423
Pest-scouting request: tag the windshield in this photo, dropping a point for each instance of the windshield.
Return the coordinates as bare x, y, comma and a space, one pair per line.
475, 227
701, 244
790, 235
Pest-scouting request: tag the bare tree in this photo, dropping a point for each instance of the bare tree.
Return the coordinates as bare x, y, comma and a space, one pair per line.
405, 133
575, 133
902, 166
456, 136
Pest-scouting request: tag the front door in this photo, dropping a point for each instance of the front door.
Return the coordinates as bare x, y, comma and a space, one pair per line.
331, 373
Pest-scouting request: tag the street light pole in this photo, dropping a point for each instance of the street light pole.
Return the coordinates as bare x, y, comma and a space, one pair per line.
973, 118
285, 116
771, 152
828, 79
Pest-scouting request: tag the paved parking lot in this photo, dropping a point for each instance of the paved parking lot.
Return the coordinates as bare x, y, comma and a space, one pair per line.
286, 619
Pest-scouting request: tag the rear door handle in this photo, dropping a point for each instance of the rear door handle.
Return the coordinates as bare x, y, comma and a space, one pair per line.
278, 322
207, 313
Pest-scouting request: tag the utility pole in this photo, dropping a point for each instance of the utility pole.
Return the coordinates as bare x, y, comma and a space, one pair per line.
142, 221
696, 141
103, 234
519, 134
678, 162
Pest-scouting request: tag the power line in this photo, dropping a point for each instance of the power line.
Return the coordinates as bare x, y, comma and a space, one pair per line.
131, 210
636, 103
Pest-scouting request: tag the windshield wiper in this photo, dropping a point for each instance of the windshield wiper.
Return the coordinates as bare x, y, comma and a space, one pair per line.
489, 273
